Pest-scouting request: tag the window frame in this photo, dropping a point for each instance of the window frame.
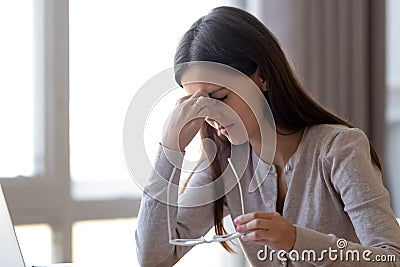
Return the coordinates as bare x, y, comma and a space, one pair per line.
45, 198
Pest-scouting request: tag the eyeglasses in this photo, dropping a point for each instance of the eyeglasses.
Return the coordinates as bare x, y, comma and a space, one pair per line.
202, 239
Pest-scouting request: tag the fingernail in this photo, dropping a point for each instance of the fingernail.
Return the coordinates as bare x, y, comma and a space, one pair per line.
243, 238
239, 229
236, 220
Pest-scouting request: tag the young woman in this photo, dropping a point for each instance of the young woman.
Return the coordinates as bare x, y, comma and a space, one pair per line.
322, 195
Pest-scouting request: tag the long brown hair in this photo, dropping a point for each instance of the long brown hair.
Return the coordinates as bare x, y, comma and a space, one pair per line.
234, 37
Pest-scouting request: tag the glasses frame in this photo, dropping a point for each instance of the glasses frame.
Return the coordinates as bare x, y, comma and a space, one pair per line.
202, 239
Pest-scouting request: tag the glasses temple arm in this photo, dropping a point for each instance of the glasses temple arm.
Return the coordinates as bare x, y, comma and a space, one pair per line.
239, 185
168, 203
168, 195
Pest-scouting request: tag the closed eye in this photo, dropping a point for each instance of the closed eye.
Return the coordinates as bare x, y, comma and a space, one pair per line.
221, 98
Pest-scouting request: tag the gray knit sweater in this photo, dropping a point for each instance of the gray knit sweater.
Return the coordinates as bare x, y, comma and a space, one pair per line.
335, 198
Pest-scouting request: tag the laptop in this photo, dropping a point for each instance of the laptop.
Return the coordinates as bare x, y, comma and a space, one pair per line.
10, 252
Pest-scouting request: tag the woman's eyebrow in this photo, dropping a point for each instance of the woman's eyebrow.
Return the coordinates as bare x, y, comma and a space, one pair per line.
219, 89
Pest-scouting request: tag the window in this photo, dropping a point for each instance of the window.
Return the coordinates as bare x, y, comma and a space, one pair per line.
66, 120
17, 91
123, 45
104, 242
38, 237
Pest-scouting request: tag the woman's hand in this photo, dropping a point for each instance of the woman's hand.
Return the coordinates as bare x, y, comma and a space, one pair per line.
267, 228
186, 120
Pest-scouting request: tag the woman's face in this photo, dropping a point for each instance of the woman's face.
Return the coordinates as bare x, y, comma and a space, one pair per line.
224, 120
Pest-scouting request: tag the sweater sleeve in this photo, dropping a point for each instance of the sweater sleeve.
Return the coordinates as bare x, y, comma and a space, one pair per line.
153, 248
358, 182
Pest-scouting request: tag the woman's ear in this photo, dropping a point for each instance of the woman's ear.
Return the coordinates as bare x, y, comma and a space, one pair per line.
263, 82
259, 78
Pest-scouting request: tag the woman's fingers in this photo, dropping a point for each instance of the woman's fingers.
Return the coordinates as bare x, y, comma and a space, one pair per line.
255, 221
268, 228
255, 215
186, 120
205, 101
193, 97
195, 106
